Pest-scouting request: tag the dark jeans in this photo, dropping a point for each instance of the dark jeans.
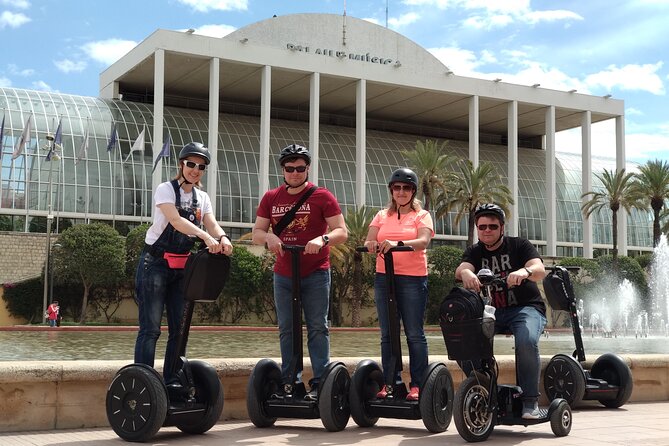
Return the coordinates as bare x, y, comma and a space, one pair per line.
411, 298
157, 287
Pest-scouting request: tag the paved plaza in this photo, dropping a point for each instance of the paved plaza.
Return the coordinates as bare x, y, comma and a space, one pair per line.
633, 424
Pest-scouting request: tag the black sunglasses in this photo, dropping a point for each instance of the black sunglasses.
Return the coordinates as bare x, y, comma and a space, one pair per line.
492, 227
404, 187
291, 169
193, 165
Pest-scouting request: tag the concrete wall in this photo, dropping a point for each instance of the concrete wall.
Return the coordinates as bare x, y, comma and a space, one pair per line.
71, 394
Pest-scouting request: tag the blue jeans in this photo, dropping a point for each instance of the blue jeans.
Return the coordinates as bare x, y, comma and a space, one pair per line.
315, 295
526, 324
411, 298
157, 287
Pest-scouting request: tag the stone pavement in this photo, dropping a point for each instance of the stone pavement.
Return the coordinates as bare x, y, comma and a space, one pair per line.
632, 424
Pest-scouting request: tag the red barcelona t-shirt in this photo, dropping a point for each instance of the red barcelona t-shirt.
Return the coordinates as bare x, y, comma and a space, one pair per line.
309, 223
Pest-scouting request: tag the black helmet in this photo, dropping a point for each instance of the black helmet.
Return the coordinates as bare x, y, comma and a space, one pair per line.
490, 209
404, 175
294, 151
195, 149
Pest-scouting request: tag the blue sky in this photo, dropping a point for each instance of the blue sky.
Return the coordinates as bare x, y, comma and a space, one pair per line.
597, 47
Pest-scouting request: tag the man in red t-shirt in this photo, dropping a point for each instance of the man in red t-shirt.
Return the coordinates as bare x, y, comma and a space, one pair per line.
317, 224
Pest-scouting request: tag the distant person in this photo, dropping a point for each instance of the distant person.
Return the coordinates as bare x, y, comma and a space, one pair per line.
180, 210
317, 224
402, 223
519, 306
53, 312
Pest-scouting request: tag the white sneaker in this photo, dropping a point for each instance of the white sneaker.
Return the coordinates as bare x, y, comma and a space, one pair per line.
531, 411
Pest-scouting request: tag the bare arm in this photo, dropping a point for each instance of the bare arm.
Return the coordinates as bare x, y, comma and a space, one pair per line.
263, 236
217, 232
533, 270
467, 274
337, 234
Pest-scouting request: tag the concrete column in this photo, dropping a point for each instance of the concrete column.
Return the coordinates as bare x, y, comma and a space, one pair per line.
265, 114
512, 134
620, 164
360, 142
212, 143
474, 130
551, 196
586, 178
158, 112
314, 124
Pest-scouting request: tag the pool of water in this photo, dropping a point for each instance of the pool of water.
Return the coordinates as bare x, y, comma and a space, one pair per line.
110, 345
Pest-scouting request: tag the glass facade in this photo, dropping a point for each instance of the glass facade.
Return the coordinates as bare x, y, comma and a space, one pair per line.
115, 185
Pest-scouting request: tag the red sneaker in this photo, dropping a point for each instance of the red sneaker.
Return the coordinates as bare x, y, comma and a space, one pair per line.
382, 393
413, 394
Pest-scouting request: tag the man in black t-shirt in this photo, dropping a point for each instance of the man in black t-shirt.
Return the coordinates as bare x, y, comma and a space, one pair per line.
519, 306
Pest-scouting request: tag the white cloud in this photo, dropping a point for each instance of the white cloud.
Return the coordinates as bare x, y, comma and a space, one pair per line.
629, 77
5, 82
69, 66
15, 70
216, 5
550, 16
372, 20
108, 51
12, 20
214, 30
43, 86
631, 111
462, 62
18, 4
403, 20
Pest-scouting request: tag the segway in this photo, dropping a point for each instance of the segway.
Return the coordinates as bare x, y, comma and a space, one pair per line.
435, 402
480, 402
610, 379
138, 402
266, 402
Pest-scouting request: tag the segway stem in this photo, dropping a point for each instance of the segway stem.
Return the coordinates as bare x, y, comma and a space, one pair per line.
297, 360
579, 353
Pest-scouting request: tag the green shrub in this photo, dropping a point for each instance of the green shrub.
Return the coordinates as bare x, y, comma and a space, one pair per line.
442, 261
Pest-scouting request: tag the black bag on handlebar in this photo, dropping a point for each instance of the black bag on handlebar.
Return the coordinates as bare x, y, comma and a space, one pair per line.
205, 275
461, 304
559, 292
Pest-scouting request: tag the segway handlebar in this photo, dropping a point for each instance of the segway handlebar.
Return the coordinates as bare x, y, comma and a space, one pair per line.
573, 269
295, 248
393, 249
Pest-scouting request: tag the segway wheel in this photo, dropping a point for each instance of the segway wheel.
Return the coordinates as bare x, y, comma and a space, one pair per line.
366, 382
436, 399
333, 399
136, 403
473, 419
612, 369
264, 381
561, 419
208, 391
564, 378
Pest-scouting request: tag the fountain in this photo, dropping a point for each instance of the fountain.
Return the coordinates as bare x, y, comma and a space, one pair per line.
659, 287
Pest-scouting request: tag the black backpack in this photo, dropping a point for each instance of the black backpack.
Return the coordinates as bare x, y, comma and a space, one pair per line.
205, 275
461, 304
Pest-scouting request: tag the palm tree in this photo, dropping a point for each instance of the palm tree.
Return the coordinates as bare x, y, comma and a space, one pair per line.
470, 187
350, 264
618, 191
430, 162
652, 181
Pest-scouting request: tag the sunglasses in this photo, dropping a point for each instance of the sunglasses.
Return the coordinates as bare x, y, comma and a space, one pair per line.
492, 227
291, 169
400, 187
193, 165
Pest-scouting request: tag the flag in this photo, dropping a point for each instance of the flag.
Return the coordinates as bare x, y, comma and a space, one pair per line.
164, 153
138, 146
112, 138
23, 141
57, 140
83, 150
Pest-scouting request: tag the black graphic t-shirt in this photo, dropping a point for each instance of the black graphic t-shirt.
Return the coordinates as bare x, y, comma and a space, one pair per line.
512, 255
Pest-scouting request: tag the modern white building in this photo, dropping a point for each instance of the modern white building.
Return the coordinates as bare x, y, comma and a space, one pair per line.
354, 92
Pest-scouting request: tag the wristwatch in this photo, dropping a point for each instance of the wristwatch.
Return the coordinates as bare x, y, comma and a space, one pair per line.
400, 243
529, 272
326, 240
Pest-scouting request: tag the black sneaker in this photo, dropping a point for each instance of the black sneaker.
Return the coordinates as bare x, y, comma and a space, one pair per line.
312, 395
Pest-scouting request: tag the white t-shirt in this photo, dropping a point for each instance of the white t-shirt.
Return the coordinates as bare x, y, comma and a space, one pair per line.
165, 194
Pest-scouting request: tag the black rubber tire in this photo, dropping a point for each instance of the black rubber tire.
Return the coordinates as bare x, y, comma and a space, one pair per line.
333, 404
613, 369
564, 378
208, 390
264, 380
366, 382
561, 419
470, 409
136, 403
436, 399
